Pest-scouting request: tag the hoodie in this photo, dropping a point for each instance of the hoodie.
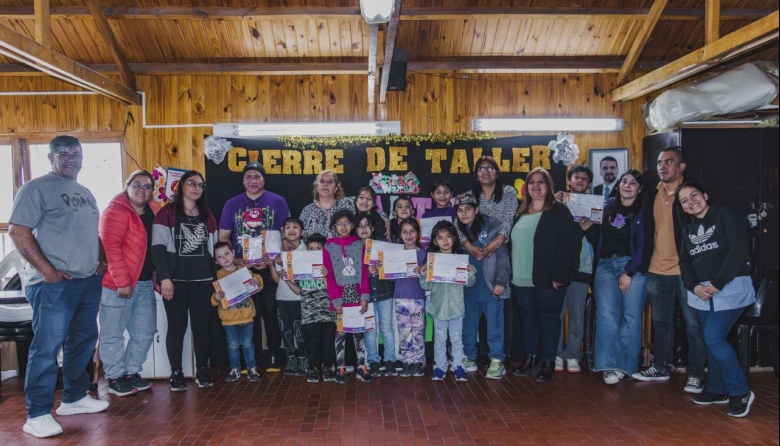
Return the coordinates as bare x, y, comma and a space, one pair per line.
343, 258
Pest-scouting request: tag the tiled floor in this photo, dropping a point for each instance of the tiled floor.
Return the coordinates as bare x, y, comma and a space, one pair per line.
573, 409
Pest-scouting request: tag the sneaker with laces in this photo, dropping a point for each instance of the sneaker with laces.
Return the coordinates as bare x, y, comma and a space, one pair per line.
363, 374
341, 376
42, 426
382, 365
469, 365
350, 369
694, 385
460, 374
202, 378
399, 365
233, 376
313, 375
374, 369
390, 372
572, 366
496, 369
610, 377
707, 398
138, 382
329, 374
253, 376
438, 374
558, 364
739, 406
84, 405
177, 381
273, 364
406, 372
303, 366
418, 369
121, 387
651, 374
291, 366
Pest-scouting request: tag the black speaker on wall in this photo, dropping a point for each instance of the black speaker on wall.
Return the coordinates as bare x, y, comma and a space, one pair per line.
397, 81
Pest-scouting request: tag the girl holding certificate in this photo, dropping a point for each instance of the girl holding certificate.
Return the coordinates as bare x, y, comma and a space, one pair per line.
490, 289
446, 305
402, 209
347, 283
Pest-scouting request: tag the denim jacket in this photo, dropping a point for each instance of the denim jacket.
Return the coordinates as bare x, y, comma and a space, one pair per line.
637, 243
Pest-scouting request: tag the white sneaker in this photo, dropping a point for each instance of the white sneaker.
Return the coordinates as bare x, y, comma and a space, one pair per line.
610, 377
84, 405
42, 427
558, 364
572, 366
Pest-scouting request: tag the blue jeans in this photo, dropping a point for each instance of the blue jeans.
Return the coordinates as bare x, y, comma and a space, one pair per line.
384, 311
64, 315
725, 375
494, 316
138, 315
574, 300
540, 309
662, 291
455, 328
372, 344
618, 317
240, 336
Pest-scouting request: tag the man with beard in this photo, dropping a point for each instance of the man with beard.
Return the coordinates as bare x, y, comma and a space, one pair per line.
608, 167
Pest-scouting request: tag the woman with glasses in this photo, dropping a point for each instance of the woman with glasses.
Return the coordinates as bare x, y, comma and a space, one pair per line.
183, 238
328, 199
127, 301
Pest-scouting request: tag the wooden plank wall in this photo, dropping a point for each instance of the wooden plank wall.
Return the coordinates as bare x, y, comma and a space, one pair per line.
432, 103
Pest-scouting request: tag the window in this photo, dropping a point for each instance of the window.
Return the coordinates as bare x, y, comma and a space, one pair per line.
6, 182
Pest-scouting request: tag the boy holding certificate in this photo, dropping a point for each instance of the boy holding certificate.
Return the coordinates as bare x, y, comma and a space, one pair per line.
237, 318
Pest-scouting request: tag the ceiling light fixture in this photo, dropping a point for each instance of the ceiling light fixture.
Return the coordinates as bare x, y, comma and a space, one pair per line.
274, 129
377, 11
547, 124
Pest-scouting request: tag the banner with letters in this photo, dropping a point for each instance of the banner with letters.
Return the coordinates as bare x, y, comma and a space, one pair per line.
390, 169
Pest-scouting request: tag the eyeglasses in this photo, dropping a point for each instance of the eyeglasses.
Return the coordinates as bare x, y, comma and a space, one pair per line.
193, 183
69, 156
137, 185
482, 169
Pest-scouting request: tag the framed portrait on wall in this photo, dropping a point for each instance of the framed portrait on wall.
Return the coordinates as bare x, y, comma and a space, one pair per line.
607, 166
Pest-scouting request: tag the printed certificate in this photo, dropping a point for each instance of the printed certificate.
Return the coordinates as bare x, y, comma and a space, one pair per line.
272, 243
302, 265
448, 268
397, 264
236, 287
253, 248
585, 206
426, 227
351, 321
374, 246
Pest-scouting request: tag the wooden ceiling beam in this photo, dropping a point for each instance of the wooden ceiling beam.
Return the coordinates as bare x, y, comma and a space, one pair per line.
42, 22
711, 21
113, 46
29, 52
409, 14
390, 35
641, 39
739, 42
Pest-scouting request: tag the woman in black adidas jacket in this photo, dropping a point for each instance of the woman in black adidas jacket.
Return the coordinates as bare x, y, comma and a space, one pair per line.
715, 267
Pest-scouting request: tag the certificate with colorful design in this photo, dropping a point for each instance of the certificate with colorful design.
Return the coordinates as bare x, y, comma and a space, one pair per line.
253, 248
353, 321
299, 265
585, 206
272, 243
236, 286
373, 247
447, 268
397, 264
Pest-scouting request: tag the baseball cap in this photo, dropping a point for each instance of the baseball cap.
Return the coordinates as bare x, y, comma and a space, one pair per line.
465, 198
254, 166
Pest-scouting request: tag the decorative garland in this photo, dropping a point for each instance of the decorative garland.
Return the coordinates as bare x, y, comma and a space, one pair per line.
308, 142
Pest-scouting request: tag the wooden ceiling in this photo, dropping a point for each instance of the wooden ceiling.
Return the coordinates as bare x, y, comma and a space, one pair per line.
288, 37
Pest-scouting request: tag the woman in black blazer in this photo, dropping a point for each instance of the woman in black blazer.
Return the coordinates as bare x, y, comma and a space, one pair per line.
543, 259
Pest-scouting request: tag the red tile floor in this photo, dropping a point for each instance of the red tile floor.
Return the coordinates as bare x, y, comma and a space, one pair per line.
573, 409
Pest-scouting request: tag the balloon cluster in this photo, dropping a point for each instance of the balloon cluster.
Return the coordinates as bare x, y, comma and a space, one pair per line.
563, 148
216, 148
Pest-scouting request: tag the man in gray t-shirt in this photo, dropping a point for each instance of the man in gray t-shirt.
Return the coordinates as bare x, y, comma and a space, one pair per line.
54, 225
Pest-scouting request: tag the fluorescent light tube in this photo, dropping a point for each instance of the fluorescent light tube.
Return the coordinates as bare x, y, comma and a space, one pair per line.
273, 129
547, 124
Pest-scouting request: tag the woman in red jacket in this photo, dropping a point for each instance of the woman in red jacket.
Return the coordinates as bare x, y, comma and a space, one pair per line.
128, 302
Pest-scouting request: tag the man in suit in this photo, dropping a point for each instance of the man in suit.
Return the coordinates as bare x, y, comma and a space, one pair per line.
608, 168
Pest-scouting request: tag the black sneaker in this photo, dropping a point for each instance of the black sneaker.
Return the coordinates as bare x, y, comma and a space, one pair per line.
273, 364
375, 369
177, 382
418, 370
303, 366
364, 374
694, 385
329, 374
291, 367
406, 372
202, 378
382, 365
233, 376
253, 376
739, 406
138, 382
341, 376
399, 365
121, 387
651, 374
707, 398
313, 375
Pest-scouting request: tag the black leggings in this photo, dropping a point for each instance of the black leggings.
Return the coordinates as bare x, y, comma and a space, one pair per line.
195, 297
265, 302
320, 345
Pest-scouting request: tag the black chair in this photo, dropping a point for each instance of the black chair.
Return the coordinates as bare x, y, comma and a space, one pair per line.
761, 317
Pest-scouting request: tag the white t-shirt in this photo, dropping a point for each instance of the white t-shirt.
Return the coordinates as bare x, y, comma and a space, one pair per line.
283, 292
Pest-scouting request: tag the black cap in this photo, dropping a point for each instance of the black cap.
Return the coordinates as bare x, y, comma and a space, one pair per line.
254, 166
